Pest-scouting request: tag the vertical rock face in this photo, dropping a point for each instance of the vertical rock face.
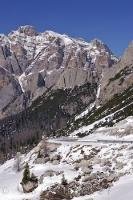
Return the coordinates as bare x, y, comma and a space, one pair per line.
38, 61
10, 89
118, 78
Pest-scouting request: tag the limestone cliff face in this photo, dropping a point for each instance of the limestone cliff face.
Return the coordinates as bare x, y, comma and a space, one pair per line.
38, 61
118, 78
10, 89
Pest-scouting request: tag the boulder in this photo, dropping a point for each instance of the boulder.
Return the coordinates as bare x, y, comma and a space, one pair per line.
86, 178
119, 165
55, 157
55, 162
29, 186
86, 171
111, 178
42, 160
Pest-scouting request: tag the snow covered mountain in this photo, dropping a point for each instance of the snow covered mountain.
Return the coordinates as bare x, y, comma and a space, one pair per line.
36, 62
49, 80
79, 95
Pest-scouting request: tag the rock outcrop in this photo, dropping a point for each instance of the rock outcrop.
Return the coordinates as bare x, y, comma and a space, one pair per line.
30, 186
118, 78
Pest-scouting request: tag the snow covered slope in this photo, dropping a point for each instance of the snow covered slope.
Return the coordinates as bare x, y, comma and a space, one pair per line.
121, 190
85, 164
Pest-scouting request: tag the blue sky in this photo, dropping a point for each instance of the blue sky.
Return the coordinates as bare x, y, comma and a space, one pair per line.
109, 20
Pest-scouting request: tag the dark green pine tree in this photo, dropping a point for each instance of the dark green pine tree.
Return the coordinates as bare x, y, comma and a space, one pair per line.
64, 181
26, 174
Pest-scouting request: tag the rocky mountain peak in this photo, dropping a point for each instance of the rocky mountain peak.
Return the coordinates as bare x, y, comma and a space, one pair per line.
27, 30
97, 42
54, 59
128, 54
101, 46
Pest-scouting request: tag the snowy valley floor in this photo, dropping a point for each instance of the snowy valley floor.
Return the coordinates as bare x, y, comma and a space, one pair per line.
90, 162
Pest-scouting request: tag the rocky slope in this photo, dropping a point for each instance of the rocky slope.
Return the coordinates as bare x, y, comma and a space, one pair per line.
119, 77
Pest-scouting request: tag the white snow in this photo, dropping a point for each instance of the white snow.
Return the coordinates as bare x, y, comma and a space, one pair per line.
67, 40
21, 81
122, 190
50, 72
82, 114
98, 92
10, 188
85, 112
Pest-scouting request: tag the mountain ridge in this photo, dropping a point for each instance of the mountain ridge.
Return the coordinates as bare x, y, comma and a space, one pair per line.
52, 59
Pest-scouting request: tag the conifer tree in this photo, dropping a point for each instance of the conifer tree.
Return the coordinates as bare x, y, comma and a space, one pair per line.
26, 174
64, 181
